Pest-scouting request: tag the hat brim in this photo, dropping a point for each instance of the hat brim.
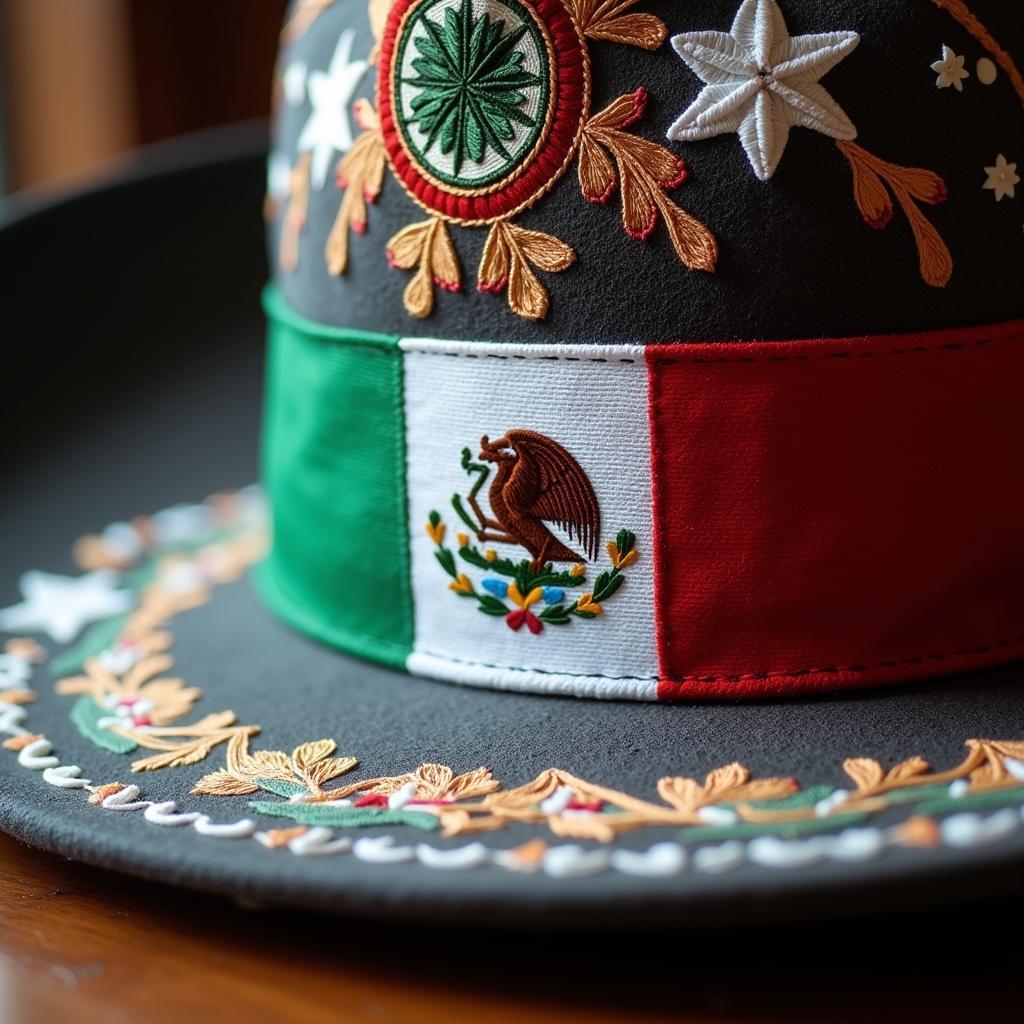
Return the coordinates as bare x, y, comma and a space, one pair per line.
142, 440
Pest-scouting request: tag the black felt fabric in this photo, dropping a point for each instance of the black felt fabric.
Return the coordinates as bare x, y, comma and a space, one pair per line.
796, 258
179, 421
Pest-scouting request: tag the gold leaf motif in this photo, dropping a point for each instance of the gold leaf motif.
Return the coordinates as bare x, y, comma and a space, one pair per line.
608, 20
270, 764
330, 768
544, 251
527, 297
492, 275
471, 785
223, 783
418, 296
508, 253
307, 754
598, 179
428, 246
908, 769
685, 794
406, 247
444, 260
361, 176
907, 184
865, 772
644, 171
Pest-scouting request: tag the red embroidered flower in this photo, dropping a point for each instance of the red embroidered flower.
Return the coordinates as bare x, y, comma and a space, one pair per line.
522, 615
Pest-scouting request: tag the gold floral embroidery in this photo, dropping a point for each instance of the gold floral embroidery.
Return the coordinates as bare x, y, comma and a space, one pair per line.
728, 801
509, 255
608, 20
361, 177
427, 248
645, 172
164, 700
309, 768
907, 184
609, 156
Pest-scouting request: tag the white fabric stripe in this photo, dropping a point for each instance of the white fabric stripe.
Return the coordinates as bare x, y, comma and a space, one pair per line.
519, 353
526, 681
592, 400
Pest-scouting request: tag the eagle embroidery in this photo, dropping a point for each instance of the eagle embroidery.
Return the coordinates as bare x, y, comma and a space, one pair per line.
538, 482
537, 487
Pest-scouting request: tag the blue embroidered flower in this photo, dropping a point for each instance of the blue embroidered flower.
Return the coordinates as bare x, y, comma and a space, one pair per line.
499, 588
554, 595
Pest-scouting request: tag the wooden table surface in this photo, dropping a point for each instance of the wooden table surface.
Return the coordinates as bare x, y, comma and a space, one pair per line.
81, 944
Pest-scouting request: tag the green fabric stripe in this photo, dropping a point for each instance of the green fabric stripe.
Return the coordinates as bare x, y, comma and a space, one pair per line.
334, 469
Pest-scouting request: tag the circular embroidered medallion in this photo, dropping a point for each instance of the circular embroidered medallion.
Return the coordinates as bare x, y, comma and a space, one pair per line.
482, 101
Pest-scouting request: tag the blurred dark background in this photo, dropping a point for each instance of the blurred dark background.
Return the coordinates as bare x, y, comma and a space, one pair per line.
132, 172
84, 81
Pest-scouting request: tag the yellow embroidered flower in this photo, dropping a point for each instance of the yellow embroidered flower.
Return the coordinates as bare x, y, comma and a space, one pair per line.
490, 554
463, 539
587, 604
461, 585
578, 569
619, 560
435, 531
532, 597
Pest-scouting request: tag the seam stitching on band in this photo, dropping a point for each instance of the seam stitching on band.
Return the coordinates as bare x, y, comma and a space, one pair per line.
737, 677
534, 671
402, 489
524, 358
949, 346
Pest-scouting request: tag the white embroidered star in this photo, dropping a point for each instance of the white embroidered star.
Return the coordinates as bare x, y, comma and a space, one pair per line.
61, 605
293, 83
1001, 178
330, 93
760, 82
950, 70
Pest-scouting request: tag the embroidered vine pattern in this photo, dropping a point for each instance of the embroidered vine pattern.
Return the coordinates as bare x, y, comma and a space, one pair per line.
126, 700
478, 115
758, 81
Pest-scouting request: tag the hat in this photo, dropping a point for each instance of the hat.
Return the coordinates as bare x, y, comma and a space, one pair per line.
588, 378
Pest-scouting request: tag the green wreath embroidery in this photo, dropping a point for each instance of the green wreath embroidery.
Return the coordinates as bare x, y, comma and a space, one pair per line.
469, 105
516, 587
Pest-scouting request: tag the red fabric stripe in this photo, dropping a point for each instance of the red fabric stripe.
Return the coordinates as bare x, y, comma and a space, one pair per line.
836, 513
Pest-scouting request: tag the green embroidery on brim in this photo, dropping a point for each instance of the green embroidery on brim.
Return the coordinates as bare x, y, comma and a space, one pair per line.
345, 817
87, 715
996, 798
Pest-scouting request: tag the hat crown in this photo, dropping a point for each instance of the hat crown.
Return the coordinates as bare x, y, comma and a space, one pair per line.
566, 170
